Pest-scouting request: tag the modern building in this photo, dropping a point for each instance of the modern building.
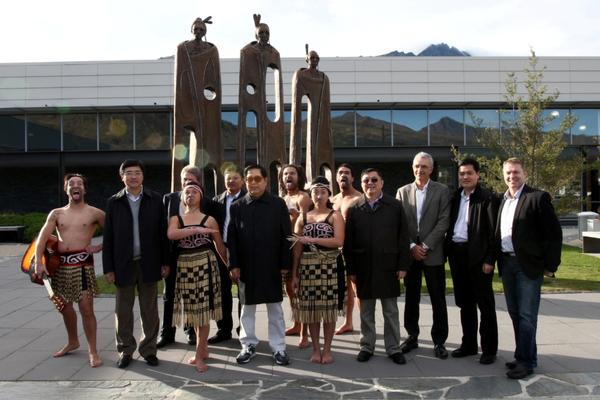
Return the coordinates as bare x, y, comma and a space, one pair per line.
89, 116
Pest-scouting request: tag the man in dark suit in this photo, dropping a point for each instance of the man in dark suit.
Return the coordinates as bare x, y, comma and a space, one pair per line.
259, 256
172, 203
427, 208
471, 254
234, 185
135, 256
377, 257
529, 239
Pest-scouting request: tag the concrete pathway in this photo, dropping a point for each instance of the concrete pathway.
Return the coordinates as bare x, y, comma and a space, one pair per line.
30, 330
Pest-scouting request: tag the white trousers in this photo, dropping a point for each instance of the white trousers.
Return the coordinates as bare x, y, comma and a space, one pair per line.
276, 326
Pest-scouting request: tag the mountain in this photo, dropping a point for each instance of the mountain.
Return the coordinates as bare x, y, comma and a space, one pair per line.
433, 50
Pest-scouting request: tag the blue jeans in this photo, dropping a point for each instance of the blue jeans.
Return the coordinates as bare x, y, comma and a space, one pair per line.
523, 302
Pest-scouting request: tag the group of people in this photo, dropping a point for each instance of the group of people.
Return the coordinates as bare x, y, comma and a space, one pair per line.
325, 249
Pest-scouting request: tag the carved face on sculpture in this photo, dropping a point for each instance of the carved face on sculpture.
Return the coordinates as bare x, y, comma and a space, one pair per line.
312, 59
199, 29
263, 33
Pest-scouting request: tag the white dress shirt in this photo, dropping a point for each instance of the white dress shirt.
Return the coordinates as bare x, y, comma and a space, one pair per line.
229, 199
506, 220
461, 227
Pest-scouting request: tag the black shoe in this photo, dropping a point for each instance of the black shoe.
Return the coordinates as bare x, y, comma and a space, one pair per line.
409, 344
364, 356
486, 359
440, 351
164, 340
124, 361
462, 352
218, 338
511, 364
398, 358
519, 372
151, 360
191, 337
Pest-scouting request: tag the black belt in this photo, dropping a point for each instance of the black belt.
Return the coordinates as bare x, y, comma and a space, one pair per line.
508, 254
460, 244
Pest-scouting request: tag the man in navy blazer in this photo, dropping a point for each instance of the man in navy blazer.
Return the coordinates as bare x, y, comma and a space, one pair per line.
529, 240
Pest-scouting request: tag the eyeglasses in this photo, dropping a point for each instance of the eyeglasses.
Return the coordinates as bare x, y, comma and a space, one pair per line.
254, 179
372, 180
133, 173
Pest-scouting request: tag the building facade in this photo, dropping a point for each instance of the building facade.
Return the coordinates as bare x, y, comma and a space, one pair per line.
89, 116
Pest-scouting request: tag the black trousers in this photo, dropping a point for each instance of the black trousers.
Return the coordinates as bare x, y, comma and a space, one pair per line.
225, 325
435, 278
472, 290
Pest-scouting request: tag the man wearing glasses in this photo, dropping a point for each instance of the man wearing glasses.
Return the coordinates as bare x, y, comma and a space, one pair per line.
259, 254
427, 207
376, 254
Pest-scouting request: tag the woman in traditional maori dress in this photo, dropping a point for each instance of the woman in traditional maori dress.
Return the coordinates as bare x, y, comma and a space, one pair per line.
197, 286
318, 278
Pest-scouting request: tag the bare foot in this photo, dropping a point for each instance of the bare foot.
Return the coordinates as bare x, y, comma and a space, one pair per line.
316, 357
192, 361
327, 357
66, 349
95, 360
294, 330
303, 343
201, 367
346, 328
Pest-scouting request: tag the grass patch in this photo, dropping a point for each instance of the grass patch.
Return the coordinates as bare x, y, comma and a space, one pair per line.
32, 222
577, 272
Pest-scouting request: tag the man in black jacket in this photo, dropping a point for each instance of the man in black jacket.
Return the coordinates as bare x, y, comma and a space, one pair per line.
529, 239
376, 250
234, 184
135, 255
172, 202
470, 251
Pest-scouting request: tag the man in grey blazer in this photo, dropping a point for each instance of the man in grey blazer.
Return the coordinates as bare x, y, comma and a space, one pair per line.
427, 207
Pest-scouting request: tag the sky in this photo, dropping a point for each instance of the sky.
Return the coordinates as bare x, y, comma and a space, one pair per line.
80, 30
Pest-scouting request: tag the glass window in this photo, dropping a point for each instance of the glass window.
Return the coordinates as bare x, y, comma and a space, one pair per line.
585, 130
116, 131
43, 132
373, 127
12, 133
446, 127
555, 119
410, 127
80, 132
152, 131
477, 121
229, 120
342, 128
251, 131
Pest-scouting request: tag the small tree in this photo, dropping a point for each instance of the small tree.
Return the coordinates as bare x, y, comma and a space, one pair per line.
522, 134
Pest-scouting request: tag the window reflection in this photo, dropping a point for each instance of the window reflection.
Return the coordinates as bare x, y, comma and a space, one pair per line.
116, 131
12, 133
152, 131
552, 120
476, 123
446, 127
410, 127
585, 130
80, 132
229, 129
373, 127
342, 128
43, 132
251, 131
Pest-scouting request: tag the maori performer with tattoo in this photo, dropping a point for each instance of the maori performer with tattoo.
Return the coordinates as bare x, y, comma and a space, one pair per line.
75, 280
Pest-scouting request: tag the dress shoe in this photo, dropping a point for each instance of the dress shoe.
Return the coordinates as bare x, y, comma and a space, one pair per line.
409, 344
219, 337
124, 361
364, 356
191, 337
511, 364
462, 352
398, 358
151, 360
519, 372
486, 359
164, 340
440, 351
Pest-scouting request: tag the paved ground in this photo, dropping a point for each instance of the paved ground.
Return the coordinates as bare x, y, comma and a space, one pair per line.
568, 345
